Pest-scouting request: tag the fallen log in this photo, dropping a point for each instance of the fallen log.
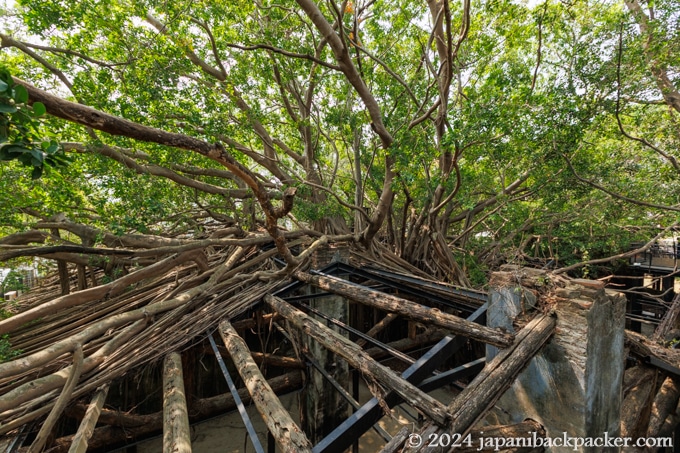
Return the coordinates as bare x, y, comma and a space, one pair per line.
395, 444
285, 431
129, 427
176, 432
645, 348
408, 309
359, 359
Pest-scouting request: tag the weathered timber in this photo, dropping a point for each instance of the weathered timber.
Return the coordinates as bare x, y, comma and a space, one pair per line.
642, 347
517, 438
668, 321
379, 327
125, 427
395, 444
276, 360
637, 403
359, 359
665, 402
499, 374
87, 425
408, 309
485, 389
286, 432
65, 396
176, 431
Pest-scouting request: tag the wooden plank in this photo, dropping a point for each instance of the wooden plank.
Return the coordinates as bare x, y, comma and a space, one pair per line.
286, 432
359, 359
87, 425
406, 308
176, 431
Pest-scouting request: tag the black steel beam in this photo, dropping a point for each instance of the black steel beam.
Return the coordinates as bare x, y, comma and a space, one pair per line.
358, 423
390, 350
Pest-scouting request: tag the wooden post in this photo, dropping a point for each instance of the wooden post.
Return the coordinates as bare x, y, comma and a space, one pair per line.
360, 360
176, 432
87, 425
408, 309
288, 435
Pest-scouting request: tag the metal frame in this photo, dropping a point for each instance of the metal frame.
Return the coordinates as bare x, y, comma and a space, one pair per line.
370, 413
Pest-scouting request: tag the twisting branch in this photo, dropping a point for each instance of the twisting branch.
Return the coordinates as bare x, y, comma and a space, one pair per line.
344, 60
668, 157
213, 44
616, 195
620, 256
114, 125
286, 53
663, 81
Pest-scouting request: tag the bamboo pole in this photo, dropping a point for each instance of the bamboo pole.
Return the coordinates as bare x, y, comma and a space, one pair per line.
286, 432
176, 432
359, 359
408, 309
87, 425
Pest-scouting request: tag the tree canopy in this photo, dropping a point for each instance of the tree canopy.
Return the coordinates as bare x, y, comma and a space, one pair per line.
460, 135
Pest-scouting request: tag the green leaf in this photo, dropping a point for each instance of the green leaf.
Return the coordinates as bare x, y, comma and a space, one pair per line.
20, 94
39, 109
3, 86
6, 108
37, 172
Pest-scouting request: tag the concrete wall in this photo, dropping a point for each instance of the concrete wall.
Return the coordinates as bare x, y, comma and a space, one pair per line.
574, 384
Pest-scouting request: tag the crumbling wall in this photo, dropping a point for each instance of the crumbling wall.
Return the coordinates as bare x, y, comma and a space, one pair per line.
573, 385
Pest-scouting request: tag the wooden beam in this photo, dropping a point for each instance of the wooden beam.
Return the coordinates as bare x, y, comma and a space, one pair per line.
87, 425
176, 431
359, 359
485, 389
411, 310
286, 432
490, 384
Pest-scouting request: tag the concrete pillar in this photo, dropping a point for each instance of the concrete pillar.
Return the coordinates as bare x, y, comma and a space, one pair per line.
323, 407
573, 385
